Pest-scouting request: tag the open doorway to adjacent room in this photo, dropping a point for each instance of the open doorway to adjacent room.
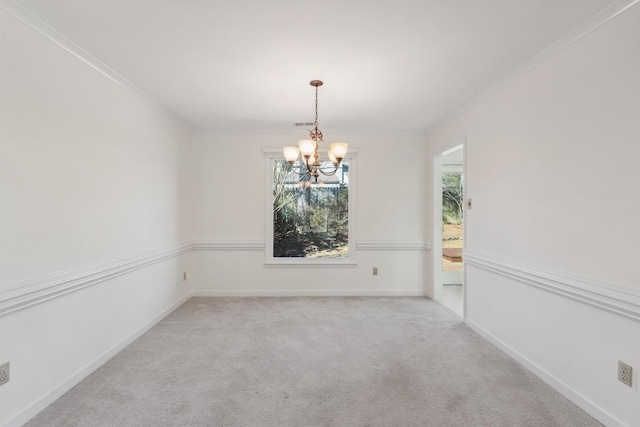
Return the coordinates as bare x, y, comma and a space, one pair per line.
449, 229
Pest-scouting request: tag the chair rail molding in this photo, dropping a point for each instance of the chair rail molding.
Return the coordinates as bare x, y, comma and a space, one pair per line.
257, 245
377, 245
228, 245
26, 293
23, 294
612, 298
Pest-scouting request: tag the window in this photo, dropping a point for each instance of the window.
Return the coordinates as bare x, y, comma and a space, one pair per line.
308, 222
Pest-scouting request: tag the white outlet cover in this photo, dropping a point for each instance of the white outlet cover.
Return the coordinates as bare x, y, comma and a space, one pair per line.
625, 373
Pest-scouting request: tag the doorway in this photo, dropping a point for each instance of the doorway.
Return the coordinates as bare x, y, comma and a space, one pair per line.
449, 229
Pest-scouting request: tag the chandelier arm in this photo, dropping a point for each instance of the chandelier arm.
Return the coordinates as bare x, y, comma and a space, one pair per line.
329, 173
310, 167
306, 171
300, 171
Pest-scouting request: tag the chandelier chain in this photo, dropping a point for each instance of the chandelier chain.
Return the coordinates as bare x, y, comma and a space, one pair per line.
316, 122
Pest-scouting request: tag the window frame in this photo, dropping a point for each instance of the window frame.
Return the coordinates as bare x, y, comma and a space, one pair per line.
274, 154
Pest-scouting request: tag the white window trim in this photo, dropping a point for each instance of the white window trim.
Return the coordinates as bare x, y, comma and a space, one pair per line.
272, 154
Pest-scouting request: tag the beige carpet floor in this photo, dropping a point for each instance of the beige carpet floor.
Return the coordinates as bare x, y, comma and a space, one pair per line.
312, 362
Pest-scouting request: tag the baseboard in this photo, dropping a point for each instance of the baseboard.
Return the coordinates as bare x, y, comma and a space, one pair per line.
51, 396
301, 293
581, 401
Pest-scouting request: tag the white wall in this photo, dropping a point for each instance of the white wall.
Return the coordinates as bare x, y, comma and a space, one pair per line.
230, 206
91, 178
552, 167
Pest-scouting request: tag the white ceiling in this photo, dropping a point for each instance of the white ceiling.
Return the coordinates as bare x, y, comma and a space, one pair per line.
398, 65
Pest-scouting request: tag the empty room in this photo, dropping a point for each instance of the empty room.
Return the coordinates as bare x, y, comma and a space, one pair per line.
341, 213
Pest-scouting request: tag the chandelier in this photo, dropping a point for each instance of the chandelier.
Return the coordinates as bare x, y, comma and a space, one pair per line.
309, 163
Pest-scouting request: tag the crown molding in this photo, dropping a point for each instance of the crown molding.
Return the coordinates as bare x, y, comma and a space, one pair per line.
612, 298
351, 133
584, 29
36, 24
20, 295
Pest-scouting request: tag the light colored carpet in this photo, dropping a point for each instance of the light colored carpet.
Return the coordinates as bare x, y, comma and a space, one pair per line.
312, 362
452, 298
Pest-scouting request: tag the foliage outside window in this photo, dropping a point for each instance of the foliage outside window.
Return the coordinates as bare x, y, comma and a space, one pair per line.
452, 215
452, 198
310, 220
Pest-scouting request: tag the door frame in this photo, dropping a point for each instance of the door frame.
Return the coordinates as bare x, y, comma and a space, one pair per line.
437, 221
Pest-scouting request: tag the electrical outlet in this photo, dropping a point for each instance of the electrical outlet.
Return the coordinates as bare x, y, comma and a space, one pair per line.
375, 271
4, 373
625, 373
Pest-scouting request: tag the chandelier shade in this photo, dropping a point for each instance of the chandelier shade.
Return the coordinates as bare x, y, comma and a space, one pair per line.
307, 147
291, 153
339, 150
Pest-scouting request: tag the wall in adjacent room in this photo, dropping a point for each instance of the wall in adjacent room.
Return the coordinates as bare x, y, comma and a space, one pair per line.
231, 212
96, 211
552, 166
